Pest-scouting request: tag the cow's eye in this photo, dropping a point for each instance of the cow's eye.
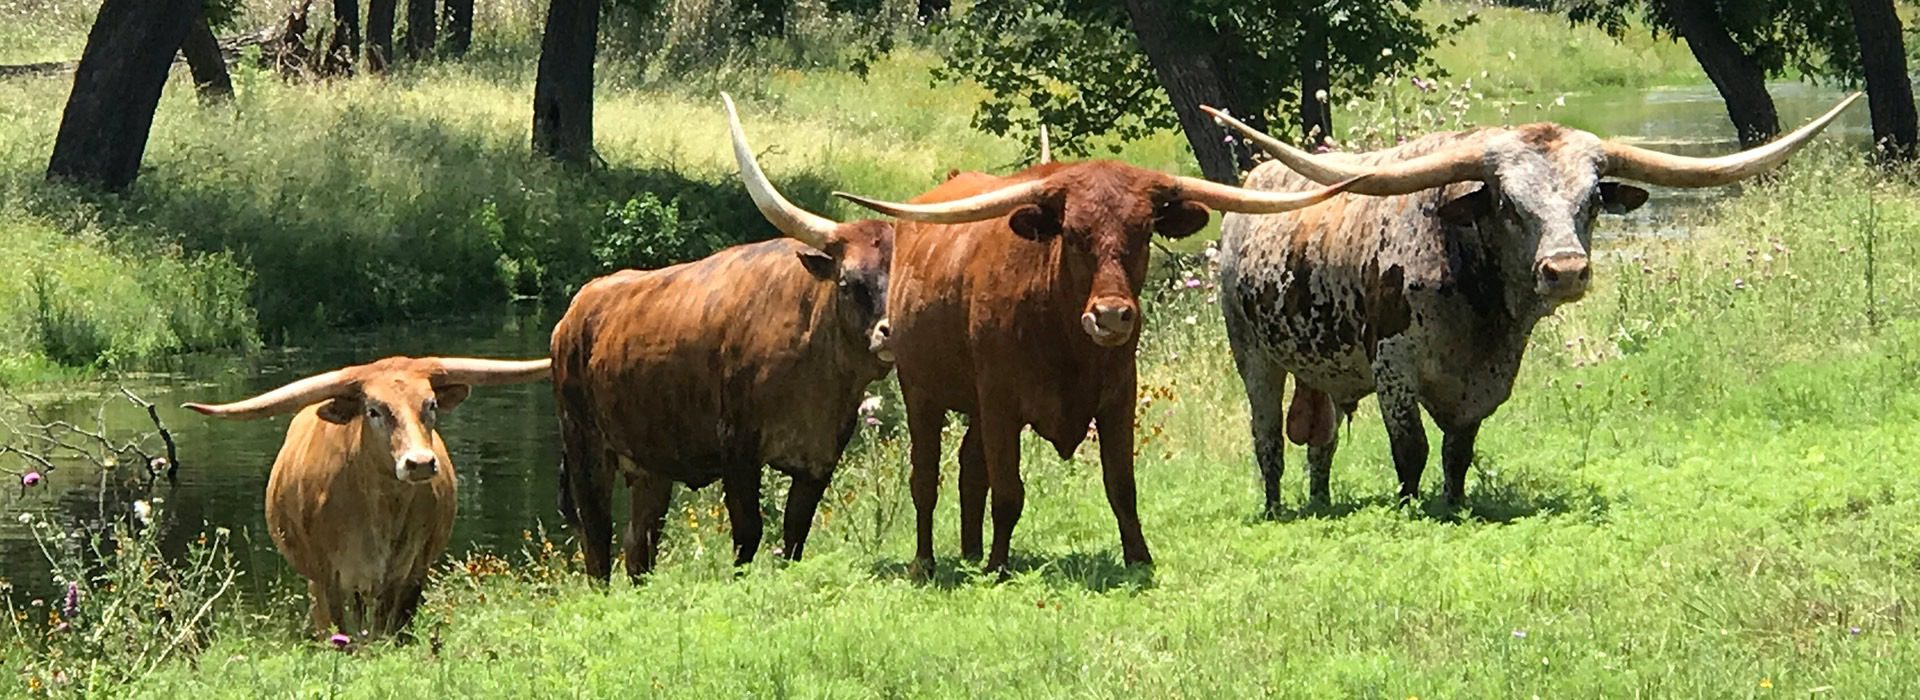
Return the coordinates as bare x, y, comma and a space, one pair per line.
373, 412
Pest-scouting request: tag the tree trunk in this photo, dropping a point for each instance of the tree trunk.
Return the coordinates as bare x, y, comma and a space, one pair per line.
930, 10
1740, 79
459, 27
1191, 79
563, 89
379, 35
423, 19
208, 65
1883, 55
346, 31
1316, 83
103, 132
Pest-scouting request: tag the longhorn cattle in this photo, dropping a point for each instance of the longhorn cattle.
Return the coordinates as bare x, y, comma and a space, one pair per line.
1427, 294
1015, 302
757, 355
361, 497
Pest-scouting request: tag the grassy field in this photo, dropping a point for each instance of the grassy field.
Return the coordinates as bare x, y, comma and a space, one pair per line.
1702, 486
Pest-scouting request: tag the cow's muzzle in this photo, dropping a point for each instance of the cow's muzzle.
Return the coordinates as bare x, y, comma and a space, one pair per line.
1110, 322
416, 466
880, 340
1563, 277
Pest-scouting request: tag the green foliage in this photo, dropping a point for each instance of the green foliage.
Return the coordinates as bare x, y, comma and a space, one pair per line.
1808, 38
647, 233
1075, 65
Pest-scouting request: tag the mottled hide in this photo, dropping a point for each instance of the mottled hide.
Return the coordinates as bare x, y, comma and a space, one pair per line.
1425, 294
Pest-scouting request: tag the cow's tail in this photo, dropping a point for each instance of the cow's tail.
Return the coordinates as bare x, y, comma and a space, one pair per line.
584, 484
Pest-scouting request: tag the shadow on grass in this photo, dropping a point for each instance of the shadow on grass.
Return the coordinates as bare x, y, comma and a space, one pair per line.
1096, 571
382, 212
1494, 496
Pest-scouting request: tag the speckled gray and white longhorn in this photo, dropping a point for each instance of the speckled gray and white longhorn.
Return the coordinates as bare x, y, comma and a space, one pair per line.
1425, 293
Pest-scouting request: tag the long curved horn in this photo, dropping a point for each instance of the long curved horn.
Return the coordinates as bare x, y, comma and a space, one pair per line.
979, 207
1246, 201
1405, 177
800, 224
480, 372
1666, 169
1046, 149
292, 397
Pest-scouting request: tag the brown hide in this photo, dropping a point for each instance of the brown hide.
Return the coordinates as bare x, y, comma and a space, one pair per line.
361, 497
706, 371
988, 322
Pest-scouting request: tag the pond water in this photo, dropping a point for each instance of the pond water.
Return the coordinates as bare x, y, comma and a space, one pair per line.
504, 441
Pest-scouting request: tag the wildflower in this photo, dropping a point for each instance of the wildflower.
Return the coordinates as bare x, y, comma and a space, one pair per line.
26, 518
1766, 682
30, 479
1853, 631
872, 421
340, 641
1519, 634
1421, 84
1192, 283
1386, 53
143, 512
870, 406
1191, 320
1739, 283
71, 606
1320, 95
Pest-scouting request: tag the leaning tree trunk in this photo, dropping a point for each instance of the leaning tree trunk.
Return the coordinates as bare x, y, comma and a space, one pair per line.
563, 89
422, 22
1740, 79
103, 132
459, 15
1316, 82
379, 35
1191, 78
1883, 56
208, 65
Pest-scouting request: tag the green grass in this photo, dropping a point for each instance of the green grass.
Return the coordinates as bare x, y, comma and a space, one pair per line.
1520, 53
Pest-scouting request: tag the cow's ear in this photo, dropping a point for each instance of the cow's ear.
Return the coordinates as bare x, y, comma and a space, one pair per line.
1616, 198
342, 410
819, 264
450, 395
1181, 218
1467, 208
1033, 222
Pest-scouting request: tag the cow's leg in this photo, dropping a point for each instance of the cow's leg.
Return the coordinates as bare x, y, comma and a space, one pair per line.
320, 609
1406, 432
588, 504
803, 498
401, 605
1456, 454
650, 497
741, 486
1000, 448
1266, 386
924, 421
973, 494
1320, 463
1116, 471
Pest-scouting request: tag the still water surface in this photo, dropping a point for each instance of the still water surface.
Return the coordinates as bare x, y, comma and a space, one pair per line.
503, 440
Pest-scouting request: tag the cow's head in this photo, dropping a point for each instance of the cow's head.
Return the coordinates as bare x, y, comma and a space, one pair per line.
855, 256
393, 402
1102, 215
1541, 187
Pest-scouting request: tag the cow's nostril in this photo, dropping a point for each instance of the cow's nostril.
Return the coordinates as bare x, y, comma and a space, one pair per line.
1126, 314
1586, 273
1549, 274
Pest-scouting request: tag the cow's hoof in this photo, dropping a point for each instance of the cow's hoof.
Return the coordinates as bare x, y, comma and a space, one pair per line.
920, 570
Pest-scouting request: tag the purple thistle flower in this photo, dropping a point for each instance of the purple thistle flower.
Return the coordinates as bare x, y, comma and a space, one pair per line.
30, 479
1422, 84
1193, 283
340, 641
71, 606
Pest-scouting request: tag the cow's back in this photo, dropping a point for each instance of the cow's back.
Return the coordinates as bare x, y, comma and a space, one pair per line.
737, 356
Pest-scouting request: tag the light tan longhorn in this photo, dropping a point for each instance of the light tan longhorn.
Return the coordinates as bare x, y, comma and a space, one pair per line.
361, 497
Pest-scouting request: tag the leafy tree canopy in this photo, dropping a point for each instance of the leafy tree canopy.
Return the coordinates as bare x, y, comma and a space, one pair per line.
1809, 38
